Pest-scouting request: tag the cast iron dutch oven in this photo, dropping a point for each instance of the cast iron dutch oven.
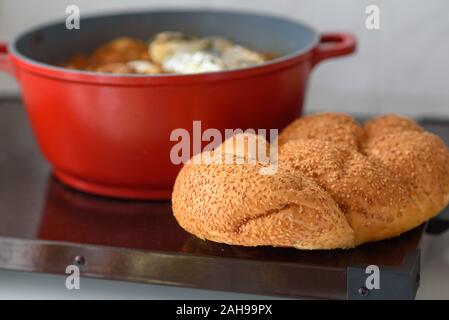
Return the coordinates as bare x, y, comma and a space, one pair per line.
110, 134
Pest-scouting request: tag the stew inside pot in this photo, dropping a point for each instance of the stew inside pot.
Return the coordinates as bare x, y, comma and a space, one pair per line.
168, 52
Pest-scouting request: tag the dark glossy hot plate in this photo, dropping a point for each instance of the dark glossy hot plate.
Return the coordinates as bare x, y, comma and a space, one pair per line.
46, 226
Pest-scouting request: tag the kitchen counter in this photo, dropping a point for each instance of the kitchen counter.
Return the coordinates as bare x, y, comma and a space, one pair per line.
36, 192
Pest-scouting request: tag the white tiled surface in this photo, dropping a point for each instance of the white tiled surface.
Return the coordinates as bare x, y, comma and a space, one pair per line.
403, 67
18, 285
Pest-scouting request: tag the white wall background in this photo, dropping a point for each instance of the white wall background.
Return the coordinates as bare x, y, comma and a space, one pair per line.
404, 67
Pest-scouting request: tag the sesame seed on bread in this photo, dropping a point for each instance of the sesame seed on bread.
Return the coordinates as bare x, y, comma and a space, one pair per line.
339, 184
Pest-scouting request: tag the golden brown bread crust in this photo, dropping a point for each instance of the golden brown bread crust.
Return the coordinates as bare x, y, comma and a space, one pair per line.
366, 192
235, 204
338, 185
337, 128
389, 124
388, 177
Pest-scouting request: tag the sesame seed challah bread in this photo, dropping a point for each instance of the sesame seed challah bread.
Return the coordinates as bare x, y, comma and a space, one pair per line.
338, 185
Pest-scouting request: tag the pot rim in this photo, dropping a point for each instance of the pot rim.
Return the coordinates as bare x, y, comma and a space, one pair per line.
93, 77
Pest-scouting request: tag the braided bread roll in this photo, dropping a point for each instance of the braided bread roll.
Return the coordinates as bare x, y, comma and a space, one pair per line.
339, 184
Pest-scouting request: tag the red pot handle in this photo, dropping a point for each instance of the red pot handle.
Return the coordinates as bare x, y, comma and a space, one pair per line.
333, 45
5, 61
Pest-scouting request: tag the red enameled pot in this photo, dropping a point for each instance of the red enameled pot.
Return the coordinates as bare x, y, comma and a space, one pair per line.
109, 134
